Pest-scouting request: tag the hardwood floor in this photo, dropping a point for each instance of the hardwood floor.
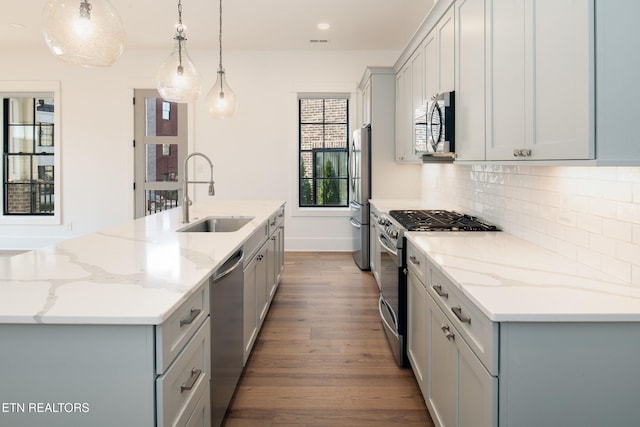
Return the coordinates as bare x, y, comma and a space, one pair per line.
322, 358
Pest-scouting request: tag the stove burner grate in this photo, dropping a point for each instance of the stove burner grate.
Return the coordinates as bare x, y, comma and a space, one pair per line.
439, 220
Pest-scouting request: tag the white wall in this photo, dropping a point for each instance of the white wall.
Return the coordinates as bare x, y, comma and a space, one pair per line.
253, 153
589, 214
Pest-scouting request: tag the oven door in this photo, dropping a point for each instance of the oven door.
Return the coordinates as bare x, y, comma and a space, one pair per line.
389, 303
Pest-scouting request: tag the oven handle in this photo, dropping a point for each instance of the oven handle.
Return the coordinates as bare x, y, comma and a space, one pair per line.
381, 302
386, 247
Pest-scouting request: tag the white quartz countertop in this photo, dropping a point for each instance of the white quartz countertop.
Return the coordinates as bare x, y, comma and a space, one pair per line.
135, 273
510, 279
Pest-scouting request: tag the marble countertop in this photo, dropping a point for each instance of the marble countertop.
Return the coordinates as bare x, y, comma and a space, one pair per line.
512, 280
133, 273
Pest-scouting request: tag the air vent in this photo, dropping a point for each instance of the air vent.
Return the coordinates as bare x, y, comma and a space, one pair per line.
319, 41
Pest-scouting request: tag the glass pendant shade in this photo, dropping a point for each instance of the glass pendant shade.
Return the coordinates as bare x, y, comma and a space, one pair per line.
178, 79
221, 101
83, 32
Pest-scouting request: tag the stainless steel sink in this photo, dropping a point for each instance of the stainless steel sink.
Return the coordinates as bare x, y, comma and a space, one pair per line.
213, 224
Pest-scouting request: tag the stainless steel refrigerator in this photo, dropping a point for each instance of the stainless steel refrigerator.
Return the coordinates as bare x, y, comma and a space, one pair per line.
360, 193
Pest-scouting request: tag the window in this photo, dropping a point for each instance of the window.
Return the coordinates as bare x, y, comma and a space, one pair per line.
324, 144
28, 155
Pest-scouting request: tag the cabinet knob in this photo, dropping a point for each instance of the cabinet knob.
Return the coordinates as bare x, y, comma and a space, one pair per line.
447, 332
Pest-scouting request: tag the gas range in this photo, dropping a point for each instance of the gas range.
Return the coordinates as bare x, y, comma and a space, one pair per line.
392, 263
439, 220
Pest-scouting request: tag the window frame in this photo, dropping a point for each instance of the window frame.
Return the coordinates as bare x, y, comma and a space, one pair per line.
315, 152
35, 89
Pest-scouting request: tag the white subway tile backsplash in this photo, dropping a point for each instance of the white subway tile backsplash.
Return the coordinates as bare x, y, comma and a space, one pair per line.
617, 268
618, 230
590, 214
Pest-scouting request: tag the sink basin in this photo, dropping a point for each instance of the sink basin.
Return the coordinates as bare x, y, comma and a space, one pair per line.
214, 224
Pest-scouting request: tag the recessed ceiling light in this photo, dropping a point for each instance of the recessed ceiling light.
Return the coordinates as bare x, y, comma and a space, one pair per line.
323, 26
17, 26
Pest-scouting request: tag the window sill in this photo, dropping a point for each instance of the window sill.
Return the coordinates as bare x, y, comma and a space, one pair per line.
321, 212
29, 220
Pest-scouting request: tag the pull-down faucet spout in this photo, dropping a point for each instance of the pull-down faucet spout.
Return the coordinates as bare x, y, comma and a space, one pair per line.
185, 190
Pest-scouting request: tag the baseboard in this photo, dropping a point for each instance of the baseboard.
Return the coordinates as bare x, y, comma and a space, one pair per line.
319, 244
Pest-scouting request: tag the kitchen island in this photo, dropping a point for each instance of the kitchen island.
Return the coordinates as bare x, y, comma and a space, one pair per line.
113, 328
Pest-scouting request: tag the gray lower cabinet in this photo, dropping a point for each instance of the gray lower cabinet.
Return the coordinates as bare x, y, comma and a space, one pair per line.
77, 375
262, 270
477, 373
462, 392
457, 388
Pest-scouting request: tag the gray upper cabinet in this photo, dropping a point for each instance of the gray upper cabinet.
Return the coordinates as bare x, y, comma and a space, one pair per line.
539, 80
550, 82
470, 80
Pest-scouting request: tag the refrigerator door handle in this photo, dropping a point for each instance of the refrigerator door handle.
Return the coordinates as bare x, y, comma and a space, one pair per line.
355, 205
355, 223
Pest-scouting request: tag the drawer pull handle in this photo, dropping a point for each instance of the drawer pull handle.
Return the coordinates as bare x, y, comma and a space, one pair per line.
447, 332
192, 316
440, 292
414, 260
462, 317
195, 374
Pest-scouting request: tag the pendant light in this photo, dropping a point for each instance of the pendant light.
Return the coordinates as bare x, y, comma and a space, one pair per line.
221, 101
178, 79
83, 32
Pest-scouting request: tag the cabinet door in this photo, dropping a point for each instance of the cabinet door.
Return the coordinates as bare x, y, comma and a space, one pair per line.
404, 115
506, 65
417, 81
280, 253
443, 368
477, 391
366, 104
272, 265
430, 52
263, 281
374, 256
250, 309
418, 331
470, 80
562, 75
446, 52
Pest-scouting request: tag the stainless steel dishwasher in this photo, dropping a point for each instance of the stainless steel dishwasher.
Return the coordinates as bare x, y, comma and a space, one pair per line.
226, 334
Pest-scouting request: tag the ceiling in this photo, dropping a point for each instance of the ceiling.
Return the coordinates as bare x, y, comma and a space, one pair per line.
247, 24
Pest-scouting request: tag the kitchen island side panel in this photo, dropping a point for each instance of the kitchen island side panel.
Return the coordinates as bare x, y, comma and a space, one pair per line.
76, 376
569, 374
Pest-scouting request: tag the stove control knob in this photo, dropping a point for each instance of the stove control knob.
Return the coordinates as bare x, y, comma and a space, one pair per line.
393, 234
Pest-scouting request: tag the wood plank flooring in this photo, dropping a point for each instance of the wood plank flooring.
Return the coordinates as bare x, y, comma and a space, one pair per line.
322, 358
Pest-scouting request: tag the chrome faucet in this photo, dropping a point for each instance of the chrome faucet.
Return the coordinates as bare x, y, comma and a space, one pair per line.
185, 190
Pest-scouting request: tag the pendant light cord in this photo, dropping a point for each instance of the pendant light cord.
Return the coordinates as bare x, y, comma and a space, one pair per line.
220, 36
179, 37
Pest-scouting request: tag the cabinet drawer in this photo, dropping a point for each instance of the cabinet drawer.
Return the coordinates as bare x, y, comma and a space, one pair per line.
256, 240
417, 262
201, 415
276, 220
479, 332
174, 333
179, 389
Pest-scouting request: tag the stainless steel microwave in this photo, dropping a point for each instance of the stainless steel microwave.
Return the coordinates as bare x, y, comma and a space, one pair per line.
436, 130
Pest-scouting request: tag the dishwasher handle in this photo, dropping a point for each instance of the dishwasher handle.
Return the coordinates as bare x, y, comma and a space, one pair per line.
219, 275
